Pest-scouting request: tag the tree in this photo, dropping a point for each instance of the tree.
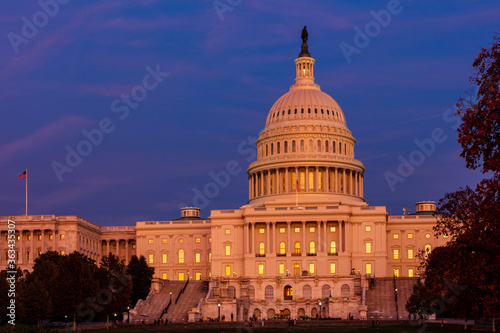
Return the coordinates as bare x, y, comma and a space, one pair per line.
471, 217
141, 275
479, 132
419, 301
115, 284
38, 305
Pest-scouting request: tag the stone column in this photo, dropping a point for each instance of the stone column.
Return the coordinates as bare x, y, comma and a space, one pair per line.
21, 247
344, 177
289, 239
42, 233
268, 243
326, 183
303, 237
54, 248
320, 246
341, 243
252, 244
306, 176
273, 238
32, 247
245, 239
316, 179
287, 181
268, 190
326, 245
126, 251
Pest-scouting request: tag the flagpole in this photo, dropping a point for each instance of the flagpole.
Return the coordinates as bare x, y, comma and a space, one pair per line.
26, 192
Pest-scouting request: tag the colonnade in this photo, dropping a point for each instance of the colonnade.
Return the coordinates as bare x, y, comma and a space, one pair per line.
308, 179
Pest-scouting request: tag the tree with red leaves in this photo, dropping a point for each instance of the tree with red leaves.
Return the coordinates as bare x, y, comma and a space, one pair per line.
471, 217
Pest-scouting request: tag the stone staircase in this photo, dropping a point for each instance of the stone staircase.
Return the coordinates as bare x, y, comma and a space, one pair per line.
151, 309
380, 297
195, 290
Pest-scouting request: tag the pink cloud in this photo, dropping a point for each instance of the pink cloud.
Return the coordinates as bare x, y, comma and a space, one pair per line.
57, 130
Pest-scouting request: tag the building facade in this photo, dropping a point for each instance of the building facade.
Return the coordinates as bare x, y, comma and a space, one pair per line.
305, 244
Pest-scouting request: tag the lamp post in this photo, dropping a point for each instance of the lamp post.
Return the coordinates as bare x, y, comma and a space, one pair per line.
319, 310
330, 291
218, 305
170, 297
128, 314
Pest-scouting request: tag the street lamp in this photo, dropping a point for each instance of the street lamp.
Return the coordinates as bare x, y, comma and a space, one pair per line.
319, 310
170, 297
128, 314
330, 291
218, 305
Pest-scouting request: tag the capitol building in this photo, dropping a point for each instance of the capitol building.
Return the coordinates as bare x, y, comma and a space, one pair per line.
305, 244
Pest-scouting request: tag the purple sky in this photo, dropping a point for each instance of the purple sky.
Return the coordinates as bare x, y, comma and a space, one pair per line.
68, 75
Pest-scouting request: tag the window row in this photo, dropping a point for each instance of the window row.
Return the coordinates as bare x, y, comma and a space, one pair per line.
332, 114
180, 256
345, 148
180, 240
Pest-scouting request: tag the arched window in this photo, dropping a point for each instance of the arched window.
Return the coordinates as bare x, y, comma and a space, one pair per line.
301, 145
345, 290
231, 292
345, 149
319, 146
251, 292
310, 145
326, 146
427, 250
262, 248
288, 293
312, 247
307, 291
293, 146
333, 247
326, 291
272, 148
297, 247
340, 147
181, 256
286, 146
333, 147
282, 248
267, 150
269, 293
278, 148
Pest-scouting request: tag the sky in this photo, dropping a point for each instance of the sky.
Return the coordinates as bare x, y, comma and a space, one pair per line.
124, 111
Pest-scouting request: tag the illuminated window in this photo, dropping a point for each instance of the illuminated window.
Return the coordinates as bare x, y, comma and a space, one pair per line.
368, 268
210, 239
197, 240
444, 236
333, 247
396, 272
62, 252
427, 250
27, 255
180, 276
228, 231
368, 228
164, 276
180, 255
61, 237
427, 236
311, 180
368, 247
209, 256
228, 250
228, 270
332, 268
395, 236
333, 229
302, 176
150, 241
281, 268
28, 237
282, 248
410, 236
410, 254
297, 229
261, 269
151, 258
197, 276
50, 237
282, 230
297, 247
181, 241
296, 269
410, 272
312, 229
197, 257
164, 241
311, 268
164, 258
312, 247
262, 248
39, 237
395, 254
261, 230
